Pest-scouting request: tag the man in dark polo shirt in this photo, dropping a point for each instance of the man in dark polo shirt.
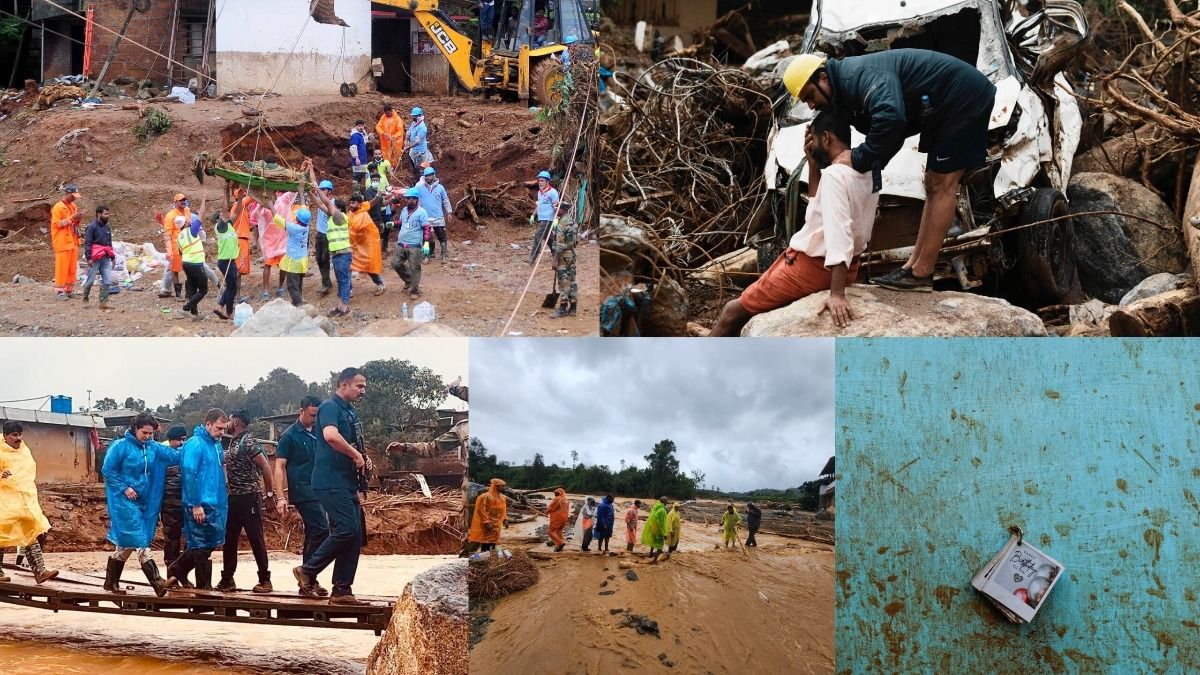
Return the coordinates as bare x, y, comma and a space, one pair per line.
339, 457
171, 514
293, 478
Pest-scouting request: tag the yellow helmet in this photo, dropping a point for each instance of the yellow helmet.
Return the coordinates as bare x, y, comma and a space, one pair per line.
800, 71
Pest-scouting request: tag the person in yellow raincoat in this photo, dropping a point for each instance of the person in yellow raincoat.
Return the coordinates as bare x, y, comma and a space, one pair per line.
491, 510
21, 517
729, 523
558, 511
365, 248
674, 525
654, 534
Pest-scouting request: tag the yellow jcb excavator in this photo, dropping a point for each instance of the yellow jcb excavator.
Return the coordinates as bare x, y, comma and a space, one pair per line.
516, 56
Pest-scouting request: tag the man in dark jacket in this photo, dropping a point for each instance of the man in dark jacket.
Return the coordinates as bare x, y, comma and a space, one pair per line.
890, 96
98, 250
753, 521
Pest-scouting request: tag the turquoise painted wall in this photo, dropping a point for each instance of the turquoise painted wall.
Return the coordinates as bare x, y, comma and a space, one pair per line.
1091, 446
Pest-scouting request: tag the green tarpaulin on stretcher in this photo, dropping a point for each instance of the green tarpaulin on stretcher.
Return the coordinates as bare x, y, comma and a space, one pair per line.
256, 182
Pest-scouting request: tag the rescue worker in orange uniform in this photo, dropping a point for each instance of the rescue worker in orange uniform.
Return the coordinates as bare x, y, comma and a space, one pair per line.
240, 214
491, 510
390, 129
173, 276
558, 510
64, 236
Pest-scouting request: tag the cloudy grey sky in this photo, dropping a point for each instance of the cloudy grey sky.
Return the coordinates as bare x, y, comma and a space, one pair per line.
748, 413
154, 370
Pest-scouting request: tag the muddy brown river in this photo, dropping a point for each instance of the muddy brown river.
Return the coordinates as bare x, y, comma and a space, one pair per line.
37, 641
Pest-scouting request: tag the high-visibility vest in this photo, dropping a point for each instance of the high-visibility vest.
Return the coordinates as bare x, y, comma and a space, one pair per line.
227, 243
339, 235
191, 249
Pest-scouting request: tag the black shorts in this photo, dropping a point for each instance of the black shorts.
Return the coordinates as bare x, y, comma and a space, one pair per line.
959, 147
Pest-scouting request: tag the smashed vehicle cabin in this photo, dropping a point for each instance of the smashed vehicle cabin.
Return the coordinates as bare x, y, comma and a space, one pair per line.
1034, 131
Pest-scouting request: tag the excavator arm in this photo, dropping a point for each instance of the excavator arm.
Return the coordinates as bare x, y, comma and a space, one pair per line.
455, 46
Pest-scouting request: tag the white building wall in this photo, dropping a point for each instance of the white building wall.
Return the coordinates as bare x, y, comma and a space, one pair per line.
254, 38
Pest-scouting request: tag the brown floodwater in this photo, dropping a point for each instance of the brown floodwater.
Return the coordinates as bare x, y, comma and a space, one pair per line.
34, 640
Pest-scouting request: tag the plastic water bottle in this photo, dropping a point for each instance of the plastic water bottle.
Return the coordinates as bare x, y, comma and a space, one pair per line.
424, 313
404, 311
242, 313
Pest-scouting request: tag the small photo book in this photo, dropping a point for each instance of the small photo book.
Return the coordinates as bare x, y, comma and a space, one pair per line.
1018, 579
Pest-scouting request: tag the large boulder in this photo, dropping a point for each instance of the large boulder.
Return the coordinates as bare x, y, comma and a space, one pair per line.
1155, 284
278, 318
1114, 253
428, 631
667, 313
879, 312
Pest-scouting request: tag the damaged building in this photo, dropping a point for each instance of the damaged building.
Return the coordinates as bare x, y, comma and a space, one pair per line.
301, 47
65, 445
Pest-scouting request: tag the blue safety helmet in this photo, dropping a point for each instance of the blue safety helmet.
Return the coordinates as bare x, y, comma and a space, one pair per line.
571, 40
429, 171
326, 185
303, 216
412, 193
417, 111
544, 174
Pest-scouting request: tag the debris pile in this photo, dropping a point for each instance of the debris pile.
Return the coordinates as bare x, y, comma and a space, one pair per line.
494, 577
683, 159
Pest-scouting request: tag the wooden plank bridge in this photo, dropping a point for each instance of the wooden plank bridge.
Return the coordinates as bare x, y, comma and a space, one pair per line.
85, 593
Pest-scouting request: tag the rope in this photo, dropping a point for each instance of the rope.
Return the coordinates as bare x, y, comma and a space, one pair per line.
283, 67
550, 230
22, 400
129, 40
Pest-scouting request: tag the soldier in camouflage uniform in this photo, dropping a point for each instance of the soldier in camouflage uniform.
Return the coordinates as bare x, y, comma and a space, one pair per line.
566, 236
171, 514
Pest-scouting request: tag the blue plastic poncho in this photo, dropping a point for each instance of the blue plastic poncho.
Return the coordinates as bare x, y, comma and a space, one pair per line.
604, 520
129, 463
201, 468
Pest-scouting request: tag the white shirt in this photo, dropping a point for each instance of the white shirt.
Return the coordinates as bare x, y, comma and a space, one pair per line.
839, 219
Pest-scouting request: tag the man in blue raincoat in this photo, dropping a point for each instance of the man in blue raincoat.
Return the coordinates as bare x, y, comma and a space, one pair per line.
135, 469
205, 500
603, 529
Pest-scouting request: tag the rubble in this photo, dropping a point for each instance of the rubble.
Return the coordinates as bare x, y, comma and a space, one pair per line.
428, 631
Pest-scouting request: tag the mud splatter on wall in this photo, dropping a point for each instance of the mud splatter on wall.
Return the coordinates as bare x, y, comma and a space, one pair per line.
1092, 447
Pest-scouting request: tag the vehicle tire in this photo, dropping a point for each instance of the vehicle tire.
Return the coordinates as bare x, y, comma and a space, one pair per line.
544, 81
1045, 254
344, 90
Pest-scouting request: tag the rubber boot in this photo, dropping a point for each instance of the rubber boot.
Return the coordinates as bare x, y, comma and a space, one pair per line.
264, 583
150, 569
112, 576
226, 584
204, 575
178, 291
629, 547
445, 252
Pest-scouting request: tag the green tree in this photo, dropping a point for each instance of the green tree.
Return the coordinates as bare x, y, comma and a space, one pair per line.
277, 393
664, 468
105, 404
537, 472
399, 394
132, 403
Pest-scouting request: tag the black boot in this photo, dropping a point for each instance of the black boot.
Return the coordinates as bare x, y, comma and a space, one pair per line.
150, 569
178, 290
226, 585
264, 583
112, 576
204, 575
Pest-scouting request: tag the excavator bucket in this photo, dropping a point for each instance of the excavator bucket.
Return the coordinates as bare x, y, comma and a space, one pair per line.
322, 12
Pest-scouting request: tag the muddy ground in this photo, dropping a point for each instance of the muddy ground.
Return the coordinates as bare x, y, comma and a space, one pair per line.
476, 142
716, 609
217, 647
79, 521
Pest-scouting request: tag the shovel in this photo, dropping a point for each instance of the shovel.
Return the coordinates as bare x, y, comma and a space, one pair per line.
551, 300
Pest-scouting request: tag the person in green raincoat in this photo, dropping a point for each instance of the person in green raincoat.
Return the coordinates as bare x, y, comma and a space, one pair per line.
729, 523
654, 534
674, 525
